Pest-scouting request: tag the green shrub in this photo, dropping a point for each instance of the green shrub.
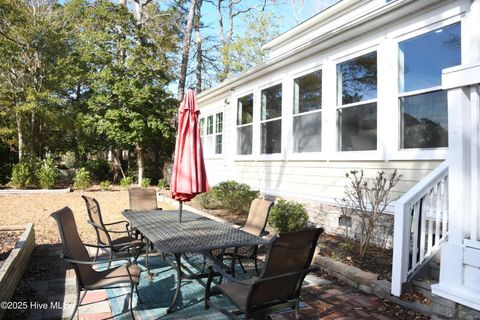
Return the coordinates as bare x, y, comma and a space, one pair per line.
105, 185
162, 184
100, 170
208, 200
233, 196
23, 174
47, 175
146, 182
82, 179
126, 182
286, 216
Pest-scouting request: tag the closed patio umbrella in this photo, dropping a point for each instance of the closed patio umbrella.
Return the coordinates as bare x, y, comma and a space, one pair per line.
189, 177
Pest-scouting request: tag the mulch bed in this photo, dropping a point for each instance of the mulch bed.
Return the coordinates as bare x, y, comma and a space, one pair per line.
8, 239
377, 260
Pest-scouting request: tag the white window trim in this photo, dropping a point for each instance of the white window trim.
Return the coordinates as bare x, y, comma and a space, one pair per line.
257, 136
397, 153
291, 154
236, 156
362, 154
213, 113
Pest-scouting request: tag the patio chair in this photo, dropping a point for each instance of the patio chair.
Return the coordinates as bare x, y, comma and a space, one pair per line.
126, 244
87, 278
256, 223
278, 286
141, 199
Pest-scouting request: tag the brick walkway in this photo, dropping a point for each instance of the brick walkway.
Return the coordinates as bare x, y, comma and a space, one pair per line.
48, 281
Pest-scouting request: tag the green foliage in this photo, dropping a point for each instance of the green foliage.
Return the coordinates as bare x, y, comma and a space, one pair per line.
146, 182
126, 182
245, 51
105, 185
209, 200
82, 179
47, 174
99, 169
162, 184
286, 216
24, 174
7, 160
233, 196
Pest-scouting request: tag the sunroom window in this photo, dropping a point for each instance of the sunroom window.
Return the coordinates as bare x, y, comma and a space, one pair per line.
423, 105
244, 124
212, 134
218, 132
271, 120
357, 103
307, 113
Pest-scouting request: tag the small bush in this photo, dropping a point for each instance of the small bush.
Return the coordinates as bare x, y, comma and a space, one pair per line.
105, 185
126, 182
233, 196
47, 175
162, 184
208, 200
146, 182
23, 174
287, 216
82, 179
99, 169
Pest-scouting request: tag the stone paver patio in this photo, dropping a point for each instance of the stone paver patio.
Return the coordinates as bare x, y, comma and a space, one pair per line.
54, 284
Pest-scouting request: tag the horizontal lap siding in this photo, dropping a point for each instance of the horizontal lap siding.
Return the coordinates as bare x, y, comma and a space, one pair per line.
312, 179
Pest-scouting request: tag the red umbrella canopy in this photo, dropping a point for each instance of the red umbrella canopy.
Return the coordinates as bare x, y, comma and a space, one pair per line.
189, 177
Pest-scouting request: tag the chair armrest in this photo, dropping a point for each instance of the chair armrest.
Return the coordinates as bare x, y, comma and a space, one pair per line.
91, 262
117, 222
96, 245
221, 269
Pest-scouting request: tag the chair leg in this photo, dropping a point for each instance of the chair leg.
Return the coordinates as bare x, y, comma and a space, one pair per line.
241, 264
297, 310
138, 295
110, 259
77, 302
96, 254
256, 265
131, 302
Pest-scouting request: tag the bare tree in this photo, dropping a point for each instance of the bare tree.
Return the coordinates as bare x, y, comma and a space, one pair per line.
368, 199
198, 47
186, 50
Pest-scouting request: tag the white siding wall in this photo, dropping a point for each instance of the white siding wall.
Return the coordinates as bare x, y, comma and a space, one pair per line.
321, 176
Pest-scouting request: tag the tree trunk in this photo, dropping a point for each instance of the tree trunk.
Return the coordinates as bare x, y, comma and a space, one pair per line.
185, 51
140, 164
123, 3
198, 44
117, 166
20, 137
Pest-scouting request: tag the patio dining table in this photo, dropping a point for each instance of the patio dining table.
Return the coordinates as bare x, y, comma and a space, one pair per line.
194, 234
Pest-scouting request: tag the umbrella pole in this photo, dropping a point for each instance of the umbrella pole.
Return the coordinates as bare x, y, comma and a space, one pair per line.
181, 209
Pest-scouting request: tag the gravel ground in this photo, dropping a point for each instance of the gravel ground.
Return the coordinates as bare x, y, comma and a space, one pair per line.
36, 208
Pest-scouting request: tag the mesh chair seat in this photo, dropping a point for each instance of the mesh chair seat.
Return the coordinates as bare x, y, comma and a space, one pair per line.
124, 243
110, 277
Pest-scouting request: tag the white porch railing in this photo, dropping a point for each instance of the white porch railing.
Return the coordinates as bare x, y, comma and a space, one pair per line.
421, 225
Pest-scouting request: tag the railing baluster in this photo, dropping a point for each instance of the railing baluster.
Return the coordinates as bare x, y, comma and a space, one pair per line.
416, 216
423, 218
438, 214
431, 194
445, 208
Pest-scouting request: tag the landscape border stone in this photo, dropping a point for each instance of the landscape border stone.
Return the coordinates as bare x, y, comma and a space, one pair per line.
17, 261
34, 191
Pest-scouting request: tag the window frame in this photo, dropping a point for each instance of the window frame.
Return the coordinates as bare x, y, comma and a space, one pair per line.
257, 134
237, 96
357, 154
211, 154
397, 153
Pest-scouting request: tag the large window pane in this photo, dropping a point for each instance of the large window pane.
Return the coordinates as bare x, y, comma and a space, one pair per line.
202, 126
272, 136
244, 140
219, 122
272, 102
358, 127
308, 92
424, 120
421, 59
357, 79
307, 132
218, 144
245, 110
210, 124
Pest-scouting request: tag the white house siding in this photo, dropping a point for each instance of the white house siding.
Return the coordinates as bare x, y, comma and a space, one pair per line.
317, 179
